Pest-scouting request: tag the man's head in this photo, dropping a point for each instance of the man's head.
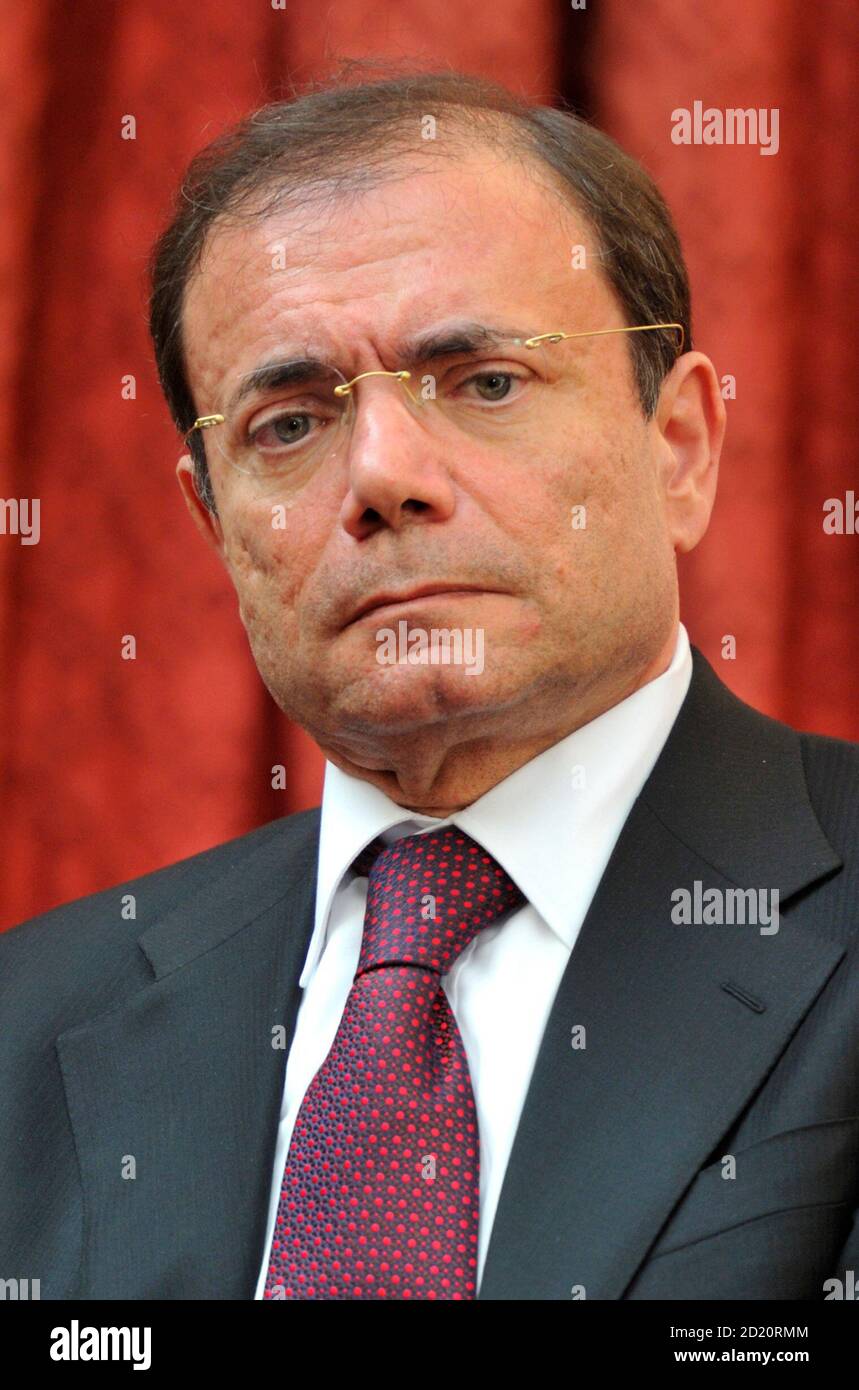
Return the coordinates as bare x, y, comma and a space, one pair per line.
342, 226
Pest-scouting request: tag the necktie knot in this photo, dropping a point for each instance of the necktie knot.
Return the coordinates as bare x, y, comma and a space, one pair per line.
428, 896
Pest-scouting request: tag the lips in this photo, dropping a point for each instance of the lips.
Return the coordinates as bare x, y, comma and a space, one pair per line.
422, 591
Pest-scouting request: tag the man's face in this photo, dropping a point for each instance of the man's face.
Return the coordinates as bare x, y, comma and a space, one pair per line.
568, 613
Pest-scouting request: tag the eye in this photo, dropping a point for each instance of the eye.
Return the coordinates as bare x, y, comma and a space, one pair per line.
493, 385
287, 428
280, 430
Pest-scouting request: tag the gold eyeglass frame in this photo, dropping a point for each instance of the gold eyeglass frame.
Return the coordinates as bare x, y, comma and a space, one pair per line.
204, 422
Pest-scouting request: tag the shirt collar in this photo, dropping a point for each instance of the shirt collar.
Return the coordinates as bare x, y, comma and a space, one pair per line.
578, 794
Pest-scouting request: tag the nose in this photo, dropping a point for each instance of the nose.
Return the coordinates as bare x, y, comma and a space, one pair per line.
398, 474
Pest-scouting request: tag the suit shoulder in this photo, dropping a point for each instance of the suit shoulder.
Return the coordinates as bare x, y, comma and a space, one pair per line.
837, 754
83, 958
830, 767
116, 916
710, 695
832, 776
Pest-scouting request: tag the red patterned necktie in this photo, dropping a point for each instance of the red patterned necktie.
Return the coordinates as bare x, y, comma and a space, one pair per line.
381, 1189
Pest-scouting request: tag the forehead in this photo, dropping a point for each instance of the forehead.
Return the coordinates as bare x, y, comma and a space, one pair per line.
356, 273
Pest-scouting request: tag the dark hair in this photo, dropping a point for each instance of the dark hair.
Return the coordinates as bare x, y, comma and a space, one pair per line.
345, 135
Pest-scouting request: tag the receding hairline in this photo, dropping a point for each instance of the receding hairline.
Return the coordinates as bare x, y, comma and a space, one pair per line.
390, 164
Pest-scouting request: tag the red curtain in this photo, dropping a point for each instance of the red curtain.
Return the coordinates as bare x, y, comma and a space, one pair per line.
113, 767
771, 245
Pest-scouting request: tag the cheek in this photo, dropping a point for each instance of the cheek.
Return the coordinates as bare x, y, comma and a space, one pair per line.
599, 503
262, 566
609, 473
583, 485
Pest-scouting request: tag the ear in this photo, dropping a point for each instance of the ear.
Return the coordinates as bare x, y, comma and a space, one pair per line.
691, 420
206, 522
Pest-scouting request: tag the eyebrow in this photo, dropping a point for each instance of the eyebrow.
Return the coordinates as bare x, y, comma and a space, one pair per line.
270, 376
451, 340
468, 336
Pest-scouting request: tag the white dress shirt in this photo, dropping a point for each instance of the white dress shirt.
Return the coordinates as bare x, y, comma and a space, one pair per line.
552, 824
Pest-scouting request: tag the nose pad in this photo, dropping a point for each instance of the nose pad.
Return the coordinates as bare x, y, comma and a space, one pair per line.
347, 387
417, 408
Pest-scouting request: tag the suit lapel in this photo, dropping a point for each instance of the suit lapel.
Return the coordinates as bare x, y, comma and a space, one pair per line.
175, 1096
610, 1135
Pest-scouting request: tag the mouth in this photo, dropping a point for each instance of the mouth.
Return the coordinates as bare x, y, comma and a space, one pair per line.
377, 603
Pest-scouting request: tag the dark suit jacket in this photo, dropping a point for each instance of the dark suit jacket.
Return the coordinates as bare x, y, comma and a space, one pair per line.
151, 1037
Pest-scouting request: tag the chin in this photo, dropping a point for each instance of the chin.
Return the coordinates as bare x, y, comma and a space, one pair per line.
401, 699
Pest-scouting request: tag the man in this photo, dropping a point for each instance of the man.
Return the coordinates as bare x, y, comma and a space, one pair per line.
556, 996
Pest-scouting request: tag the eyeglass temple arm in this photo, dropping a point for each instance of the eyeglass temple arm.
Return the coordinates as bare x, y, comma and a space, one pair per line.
601, 332
204, 422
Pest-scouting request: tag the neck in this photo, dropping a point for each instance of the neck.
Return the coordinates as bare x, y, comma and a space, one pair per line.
431, 773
